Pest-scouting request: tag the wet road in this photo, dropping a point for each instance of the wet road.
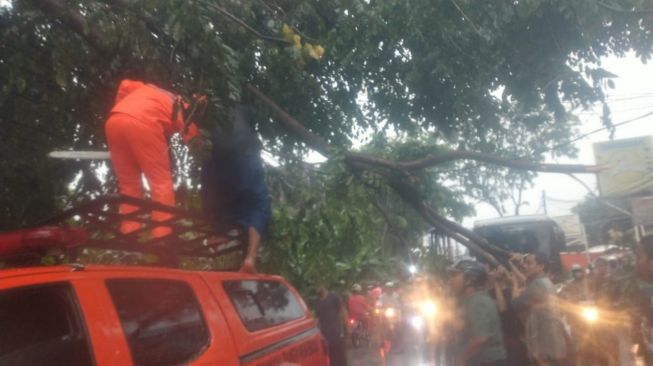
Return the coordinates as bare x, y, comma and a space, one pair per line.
370, 356
363, 356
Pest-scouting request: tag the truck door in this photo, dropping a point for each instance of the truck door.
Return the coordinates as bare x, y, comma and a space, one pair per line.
270, 323
42, 323
170, 320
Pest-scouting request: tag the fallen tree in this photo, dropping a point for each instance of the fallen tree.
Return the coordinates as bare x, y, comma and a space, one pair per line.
436, 75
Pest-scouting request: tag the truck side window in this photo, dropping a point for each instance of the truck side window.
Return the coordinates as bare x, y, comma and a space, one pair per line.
42, 325
263, 304
162, 320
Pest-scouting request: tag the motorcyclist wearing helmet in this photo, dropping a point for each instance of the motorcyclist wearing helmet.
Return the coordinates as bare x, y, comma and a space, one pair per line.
390, 296
357, 304
576, 290
480, 341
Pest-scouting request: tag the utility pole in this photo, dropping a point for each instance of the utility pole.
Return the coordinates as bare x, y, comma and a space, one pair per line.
544, 202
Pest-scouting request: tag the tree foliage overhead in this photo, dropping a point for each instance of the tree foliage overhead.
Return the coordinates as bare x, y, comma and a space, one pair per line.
500, 77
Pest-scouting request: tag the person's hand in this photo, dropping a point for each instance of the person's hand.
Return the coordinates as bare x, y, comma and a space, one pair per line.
493, 276
516, 258
501, 274
196, 143
512, 278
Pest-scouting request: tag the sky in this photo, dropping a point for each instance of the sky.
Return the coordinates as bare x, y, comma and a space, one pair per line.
632, 97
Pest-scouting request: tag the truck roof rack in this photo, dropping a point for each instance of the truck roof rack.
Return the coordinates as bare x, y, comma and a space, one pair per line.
96, 224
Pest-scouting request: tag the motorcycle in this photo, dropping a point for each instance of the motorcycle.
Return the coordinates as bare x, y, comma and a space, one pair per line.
419, 322
389, 324
591, 335
408, 329
359, 332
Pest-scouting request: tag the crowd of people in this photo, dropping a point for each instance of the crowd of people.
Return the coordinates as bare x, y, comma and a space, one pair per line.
516, 315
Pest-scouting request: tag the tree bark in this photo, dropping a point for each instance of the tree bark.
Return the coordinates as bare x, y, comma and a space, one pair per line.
314, 141
474, 243
447, 156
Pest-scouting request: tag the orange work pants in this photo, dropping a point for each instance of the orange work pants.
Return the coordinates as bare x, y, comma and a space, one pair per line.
137, 148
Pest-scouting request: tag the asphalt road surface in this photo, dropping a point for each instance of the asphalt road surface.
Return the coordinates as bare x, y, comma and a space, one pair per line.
371, 356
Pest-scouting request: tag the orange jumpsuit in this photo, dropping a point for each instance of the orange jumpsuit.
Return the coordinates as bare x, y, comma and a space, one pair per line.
137, 131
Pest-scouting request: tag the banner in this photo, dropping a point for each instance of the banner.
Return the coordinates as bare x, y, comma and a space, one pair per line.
627, 166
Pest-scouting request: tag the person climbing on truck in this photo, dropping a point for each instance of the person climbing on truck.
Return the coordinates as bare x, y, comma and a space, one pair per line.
141, 121
234, 192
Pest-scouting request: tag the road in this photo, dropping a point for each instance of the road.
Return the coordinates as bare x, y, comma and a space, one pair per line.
370, 356
363, 356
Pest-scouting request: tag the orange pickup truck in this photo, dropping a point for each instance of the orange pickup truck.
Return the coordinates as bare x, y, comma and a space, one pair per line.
77, 314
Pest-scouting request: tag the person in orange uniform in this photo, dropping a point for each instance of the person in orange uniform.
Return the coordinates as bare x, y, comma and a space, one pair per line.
142, 120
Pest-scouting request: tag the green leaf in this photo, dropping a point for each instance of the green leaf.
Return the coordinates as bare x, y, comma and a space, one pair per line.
61, 77
20, 85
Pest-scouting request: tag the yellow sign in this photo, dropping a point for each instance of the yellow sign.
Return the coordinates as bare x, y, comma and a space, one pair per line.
627, 166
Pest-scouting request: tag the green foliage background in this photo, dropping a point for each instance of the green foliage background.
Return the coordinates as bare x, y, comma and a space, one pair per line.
420, 76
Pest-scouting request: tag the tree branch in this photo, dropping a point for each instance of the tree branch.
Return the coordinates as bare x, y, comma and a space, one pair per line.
599, 199
622, 10
283, 19
409, 194
74, 20
147, 20
448, 156
245, 25
313, 140
406, 191
467, 18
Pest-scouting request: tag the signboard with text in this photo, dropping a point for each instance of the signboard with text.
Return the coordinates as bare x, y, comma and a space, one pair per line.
627, 166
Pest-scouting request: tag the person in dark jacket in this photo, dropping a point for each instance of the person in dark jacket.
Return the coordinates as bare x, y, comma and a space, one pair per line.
234, 191
331, 317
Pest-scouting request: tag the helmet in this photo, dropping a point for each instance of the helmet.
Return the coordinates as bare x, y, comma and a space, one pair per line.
473, 270
576, 267
356, 288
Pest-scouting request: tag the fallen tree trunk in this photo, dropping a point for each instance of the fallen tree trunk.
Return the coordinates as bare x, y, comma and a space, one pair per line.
404, 189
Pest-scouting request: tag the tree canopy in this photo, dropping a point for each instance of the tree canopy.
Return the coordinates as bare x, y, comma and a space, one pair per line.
500, 78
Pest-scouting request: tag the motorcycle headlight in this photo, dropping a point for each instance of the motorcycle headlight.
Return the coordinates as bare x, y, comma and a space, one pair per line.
590, 314
416, 322
428, 308
390, 313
